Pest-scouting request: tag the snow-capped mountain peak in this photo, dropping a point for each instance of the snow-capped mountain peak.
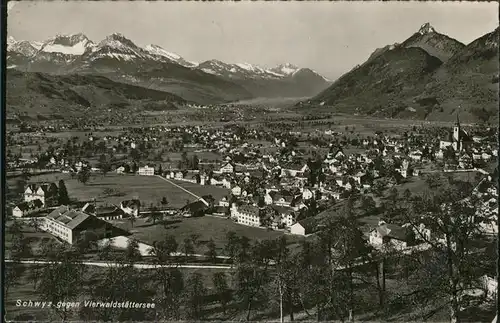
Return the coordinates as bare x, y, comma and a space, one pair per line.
285, 69
159, 51
22, 47
117, 40
78, 49
426, 29
250, 67
74, 44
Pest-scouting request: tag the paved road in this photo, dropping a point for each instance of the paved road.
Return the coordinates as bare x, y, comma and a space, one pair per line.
182, 188
137, 265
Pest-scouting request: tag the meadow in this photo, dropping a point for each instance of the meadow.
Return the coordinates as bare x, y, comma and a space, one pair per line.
205, 228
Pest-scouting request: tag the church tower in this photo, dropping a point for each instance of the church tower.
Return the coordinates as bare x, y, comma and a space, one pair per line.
456, 130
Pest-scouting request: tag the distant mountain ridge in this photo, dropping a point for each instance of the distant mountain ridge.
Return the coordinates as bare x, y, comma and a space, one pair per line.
120, 59
71, 96
427, 76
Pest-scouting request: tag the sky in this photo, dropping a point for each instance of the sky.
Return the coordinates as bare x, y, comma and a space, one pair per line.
328, 37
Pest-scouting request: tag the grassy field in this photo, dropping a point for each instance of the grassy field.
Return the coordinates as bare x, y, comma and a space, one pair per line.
205, 227
149, 189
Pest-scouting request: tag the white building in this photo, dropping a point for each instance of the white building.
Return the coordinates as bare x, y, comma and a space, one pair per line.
236, 191
247, 215
68, 225
146, 171
307, 194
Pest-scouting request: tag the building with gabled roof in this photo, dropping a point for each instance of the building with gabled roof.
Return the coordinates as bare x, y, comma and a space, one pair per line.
306, 226
69, 224
44, 192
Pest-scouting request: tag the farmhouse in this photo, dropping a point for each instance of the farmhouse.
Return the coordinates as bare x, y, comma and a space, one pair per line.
286, 215
69, 225
27, 208
391, 234
226, 168
197, 208
111, 212
305, 227
131, 207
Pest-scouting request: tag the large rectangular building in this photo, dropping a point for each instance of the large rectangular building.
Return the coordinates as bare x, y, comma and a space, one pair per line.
69, 225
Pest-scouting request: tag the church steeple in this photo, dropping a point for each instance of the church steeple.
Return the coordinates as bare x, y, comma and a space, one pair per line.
457, 131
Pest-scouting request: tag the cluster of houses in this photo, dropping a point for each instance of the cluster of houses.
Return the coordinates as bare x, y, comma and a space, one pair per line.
271, 189
36, 197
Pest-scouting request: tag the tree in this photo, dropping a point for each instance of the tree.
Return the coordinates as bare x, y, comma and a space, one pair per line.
188, 247
13, 273
132, 219
20, 248
195, 162
231, 246
86, 242
15, 228
84, 175
184, 158
119, 282
379, 187
450, 212
250, 282
135, 155
104, 165
433, 180
35, 223
63, 198
195, 294
407, 195
393, 195
154, 215
61, 279
132, 253
164, 201
222, 289
368, 204
195, 239
169, 278
134, 168
212, 252
105, 251
349, 247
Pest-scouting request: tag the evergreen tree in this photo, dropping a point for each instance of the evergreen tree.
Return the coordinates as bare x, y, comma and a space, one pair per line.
212, 252
195, 294
222, 289
63, 194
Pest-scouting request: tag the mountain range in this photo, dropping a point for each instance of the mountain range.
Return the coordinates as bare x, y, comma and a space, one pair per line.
427, 76
119, 59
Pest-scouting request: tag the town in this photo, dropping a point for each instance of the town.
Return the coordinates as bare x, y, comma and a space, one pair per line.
266, 182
